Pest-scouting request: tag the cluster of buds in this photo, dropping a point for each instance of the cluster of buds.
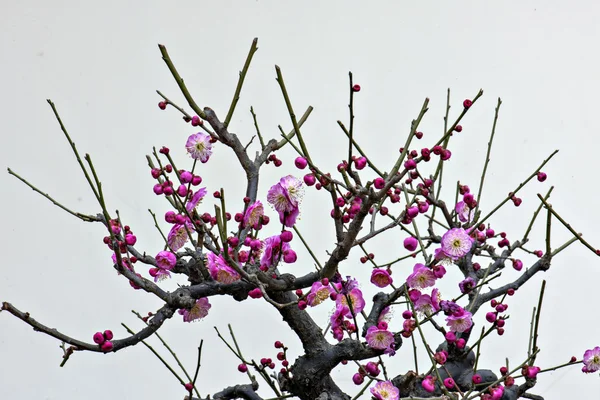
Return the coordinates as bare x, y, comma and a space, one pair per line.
103, 339
495, 318
371, 369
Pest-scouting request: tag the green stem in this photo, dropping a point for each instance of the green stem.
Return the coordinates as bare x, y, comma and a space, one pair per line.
238, 89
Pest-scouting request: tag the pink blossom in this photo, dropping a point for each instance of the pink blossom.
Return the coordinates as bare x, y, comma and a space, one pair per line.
318, 294
424, 305
421, 277
456, 243
380, 339
591, 360
467, 284
285, 198
337, 321
178, 235
165, 260
196, 199
159, 274
219, 270
198, 311
253, 215
356, 301
460, 321
381, 278
464, 212
199, 147
385, 390
274, 249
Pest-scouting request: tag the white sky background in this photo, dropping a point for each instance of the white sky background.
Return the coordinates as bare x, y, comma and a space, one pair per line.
100, 64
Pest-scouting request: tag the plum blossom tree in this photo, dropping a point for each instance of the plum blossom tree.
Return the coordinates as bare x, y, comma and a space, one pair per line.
223, 251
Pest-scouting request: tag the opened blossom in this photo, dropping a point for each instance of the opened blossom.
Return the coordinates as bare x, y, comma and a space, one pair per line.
385, 390
253, 215
285, 197
380, 339
178, 235
274, 250
591, 360
421, 277
464, 212
355, 297
460, 321
424, 305
198, 311
196, 199
381, 278
199, 147
318, 294
456, 243
219, 270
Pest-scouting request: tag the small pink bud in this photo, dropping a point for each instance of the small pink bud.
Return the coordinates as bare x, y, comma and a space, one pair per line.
538, 253
419, 135
108, 335
411, 243
476, 379
379, 183
278, 345
158, 189
450, 337
412, 212
162, 105
458, 128
372, 368
541, 176
517, 264
302, 305
461, 343
309, 179
467, 103
360, 163
106, 346
449, 383
410, 164
300, 162
196, 121
196, 180
356, 88
130, 239
358, 379
490, 317
286, 236
98, 338
428, 384
255, 293
407, 314
289, 256
242, 368
189, 386
510, 292
186, 177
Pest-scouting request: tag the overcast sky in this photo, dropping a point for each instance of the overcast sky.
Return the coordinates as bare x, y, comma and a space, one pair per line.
99, 62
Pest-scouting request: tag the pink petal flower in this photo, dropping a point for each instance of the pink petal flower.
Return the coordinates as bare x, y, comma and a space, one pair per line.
385, 390
199, 147
197, 312
381, 278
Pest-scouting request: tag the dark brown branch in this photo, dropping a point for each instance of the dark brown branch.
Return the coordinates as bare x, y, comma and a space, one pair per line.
153, 325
